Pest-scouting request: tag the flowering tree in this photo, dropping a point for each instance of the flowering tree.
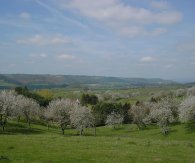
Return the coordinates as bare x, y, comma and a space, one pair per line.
191, 91
81, 118
161, 95
7, 99
162, 114
140, 114
114, 119
47, 115
187, 110
28, 108
58, 111
180, 92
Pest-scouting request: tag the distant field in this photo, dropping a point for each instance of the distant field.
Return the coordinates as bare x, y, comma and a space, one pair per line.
76, 81
123, 144
144, 92
3, 83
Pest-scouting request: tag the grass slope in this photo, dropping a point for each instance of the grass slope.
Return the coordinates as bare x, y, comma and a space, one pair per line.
123, 144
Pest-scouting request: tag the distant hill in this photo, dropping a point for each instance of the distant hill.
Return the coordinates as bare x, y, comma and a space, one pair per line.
76, 81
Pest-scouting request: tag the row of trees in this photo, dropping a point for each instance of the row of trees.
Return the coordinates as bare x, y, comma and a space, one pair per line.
182, 92
61, 111
66, 112
117, 96
13, 105
164, 112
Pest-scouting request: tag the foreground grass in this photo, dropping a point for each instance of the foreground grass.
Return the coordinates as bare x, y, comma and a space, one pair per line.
124, 144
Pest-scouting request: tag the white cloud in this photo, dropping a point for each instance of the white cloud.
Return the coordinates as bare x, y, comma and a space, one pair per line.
158, 31
132, 31
168, 17
135, 31
44, 40
169, 66
125, 19
59, 40
187, 46
59, 14
43, 55
147, 59
159, 5
114, 11
193, 63
24, 15
66, 57
39, 56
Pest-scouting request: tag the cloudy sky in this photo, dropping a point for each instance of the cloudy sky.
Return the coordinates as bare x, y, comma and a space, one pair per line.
123, 38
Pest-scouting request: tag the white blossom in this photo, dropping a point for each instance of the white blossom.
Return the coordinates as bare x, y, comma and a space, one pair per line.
191, 91
81, 118
162, 114
58, 110
180, 92
140, 114
114, 119
7, 99
28, 108
187, 110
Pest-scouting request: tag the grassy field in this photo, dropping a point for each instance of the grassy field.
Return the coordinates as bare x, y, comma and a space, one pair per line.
123, 144
144, 93
3, 83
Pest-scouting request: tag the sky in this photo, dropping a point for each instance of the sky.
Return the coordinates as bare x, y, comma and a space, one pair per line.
121, 38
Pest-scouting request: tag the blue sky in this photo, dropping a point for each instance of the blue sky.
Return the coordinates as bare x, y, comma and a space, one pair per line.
124, 38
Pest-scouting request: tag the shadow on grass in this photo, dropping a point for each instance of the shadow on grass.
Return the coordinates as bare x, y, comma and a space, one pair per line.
117, 128
171, 130
190, 128
19, 128
25, 131
4, 159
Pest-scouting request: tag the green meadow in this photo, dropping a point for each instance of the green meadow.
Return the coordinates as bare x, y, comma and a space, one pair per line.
125, 143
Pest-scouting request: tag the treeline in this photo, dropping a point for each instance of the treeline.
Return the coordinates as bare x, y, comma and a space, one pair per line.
42, 101
163, 109
101, 109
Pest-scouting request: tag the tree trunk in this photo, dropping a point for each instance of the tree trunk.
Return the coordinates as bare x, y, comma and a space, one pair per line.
81, 131
29, 123
1, 117
94, 130
18, 119
47, 125
4, 123
1, 120
62, 131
